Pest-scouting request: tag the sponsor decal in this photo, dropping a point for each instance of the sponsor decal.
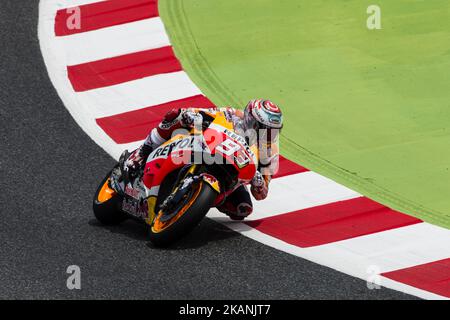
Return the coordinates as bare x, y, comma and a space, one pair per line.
212, 181
135, 207
164, 151
132, 192
165, 125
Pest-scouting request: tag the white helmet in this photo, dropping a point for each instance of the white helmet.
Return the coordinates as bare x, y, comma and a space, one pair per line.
265, 118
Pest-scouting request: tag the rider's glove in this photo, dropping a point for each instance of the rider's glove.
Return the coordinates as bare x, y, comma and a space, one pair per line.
259, 187
189, 119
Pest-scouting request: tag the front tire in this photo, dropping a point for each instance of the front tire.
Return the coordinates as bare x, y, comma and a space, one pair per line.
199, 207
106, 204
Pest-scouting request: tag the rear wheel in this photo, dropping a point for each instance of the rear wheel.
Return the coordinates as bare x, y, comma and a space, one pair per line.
106, 204
189, 213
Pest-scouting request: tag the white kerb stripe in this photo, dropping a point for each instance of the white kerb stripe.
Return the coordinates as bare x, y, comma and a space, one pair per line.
299, 191
113, 41
393, 249
137, 94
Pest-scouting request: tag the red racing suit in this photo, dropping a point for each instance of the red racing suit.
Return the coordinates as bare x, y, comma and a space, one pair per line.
237, 205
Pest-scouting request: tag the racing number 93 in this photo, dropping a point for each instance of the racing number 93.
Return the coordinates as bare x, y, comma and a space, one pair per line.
230, 148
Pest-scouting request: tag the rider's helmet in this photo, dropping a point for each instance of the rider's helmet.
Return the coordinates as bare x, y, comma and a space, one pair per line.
265, 118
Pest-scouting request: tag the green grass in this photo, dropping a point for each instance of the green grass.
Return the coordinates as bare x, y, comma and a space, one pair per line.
367, 108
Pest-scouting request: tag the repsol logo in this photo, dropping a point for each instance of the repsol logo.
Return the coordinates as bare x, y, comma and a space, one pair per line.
235, 136
185, 143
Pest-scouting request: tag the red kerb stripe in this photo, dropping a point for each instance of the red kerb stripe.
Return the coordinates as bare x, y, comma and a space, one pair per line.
135, 125
433, 277
332, 222
287, 167
102, 15
111, 71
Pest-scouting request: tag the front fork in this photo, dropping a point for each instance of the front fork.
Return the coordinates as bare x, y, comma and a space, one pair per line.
193, 169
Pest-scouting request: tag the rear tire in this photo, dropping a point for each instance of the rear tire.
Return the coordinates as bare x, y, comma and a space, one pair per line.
108, 212
188, 221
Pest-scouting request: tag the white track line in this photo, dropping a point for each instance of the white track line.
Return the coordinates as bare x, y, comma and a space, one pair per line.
113, 41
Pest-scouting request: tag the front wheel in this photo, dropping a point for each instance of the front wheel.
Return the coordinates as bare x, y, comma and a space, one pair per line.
106, 204
189, 214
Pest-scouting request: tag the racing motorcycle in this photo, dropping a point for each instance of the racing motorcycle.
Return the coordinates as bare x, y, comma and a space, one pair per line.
185, 177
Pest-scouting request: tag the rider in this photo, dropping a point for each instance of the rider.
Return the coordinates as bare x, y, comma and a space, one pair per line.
263, 116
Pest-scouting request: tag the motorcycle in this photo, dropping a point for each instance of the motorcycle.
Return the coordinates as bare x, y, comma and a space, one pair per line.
184, 178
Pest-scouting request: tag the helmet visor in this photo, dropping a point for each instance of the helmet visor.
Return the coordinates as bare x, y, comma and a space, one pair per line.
258, 131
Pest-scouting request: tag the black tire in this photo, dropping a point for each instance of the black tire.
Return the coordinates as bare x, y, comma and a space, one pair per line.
108, 212
188, 221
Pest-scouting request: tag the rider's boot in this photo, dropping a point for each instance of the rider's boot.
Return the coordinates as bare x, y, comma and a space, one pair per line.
239, 212
135, 163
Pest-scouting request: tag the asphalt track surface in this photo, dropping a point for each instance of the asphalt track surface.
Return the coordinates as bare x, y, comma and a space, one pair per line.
49, 171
